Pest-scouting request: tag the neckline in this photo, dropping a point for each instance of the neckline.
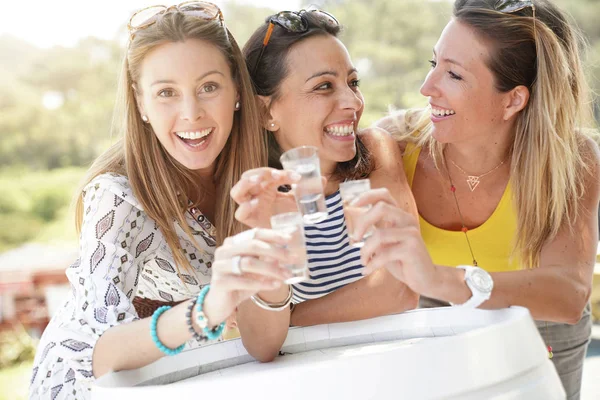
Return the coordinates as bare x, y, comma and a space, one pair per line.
501, 204
483, 226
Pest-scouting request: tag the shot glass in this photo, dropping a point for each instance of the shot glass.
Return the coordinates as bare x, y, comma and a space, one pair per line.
309, 190
293, 224
350, 190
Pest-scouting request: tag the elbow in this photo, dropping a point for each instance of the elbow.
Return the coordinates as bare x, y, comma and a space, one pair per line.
263, 352
265, 356
406, 299
574, 311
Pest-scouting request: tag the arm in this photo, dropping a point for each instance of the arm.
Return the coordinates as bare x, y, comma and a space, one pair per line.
557, 290
263, 332
107, 279
377, 294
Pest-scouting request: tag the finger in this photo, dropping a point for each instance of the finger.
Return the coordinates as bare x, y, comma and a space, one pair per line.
231, 283
244, 190
264, 269
379, 239
379, 214
280, 178
386, 256
373, 196
273, 237
255, 248
245, 212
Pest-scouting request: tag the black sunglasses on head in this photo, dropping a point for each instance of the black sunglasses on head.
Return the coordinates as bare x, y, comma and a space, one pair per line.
293, 21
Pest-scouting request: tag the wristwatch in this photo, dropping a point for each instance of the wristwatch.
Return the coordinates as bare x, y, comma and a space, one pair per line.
480, 283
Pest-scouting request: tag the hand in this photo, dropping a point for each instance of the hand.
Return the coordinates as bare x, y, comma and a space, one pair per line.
396, 244
261, 263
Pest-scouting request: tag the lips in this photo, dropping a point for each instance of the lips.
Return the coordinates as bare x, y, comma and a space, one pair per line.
194, 138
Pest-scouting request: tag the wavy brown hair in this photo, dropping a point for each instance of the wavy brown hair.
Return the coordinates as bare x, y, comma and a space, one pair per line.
548, 155
163, 186
272, 69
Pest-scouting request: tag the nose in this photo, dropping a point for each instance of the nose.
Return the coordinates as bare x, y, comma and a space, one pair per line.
191, 109
429, 87
351, 99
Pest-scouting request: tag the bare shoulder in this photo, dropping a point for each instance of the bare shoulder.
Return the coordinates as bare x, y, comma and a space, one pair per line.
401, 125
382, 146
591, 156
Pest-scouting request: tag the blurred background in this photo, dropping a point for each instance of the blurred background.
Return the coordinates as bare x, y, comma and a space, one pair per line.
58, 72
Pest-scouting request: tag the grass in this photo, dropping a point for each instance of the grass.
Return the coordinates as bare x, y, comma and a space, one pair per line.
14, 381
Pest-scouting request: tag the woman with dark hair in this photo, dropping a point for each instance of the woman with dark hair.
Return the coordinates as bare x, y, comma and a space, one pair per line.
504, 175
310, 94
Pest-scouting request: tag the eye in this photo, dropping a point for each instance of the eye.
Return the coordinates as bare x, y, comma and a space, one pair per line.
454, 76
355, 83
166, 93
209, 88
432, 63
324, 86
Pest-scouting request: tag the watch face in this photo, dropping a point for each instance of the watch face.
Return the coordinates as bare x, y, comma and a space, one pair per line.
482, 281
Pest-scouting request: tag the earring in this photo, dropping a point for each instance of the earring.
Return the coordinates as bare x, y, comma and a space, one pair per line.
272, 125
237, 105
144, 118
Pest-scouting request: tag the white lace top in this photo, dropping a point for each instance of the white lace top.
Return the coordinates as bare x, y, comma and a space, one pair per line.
122, 254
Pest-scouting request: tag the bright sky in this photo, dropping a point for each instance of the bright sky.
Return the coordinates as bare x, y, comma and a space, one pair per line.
63, 22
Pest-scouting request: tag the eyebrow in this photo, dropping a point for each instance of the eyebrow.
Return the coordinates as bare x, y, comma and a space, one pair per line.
450, 60
334, 73
162, 81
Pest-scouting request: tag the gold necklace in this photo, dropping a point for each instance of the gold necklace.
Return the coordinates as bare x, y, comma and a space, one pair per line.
464, 228
473, 180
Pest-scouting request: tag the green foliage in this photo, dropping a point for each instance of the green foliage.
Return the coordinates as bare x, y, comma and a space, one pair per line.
35, 205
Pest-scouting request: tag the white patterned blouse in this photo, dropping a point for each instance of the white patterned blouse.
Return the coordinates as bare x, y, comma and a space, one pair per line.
122, 254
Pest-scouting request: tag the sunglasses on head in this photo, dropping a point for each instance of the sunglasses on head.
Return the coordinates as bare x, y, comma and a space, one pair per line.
512, 6
149, 15
295, 22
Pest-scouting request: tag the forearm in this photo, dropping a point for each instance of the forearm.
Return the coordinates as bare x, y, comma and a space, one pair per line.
551, 293
373, 296
130, 346
263, 332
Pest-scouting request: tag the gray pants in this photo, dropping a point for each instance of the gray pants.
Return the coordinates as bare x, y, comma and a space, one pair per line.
569, 345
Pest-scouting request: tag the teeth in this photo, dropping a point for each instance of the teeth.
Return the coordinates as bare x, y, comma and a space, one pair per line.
340, 130
194, 135
441, 113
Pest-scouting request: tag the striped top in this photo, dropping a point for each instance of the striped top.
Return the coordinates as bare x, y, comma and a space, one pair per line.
332, 262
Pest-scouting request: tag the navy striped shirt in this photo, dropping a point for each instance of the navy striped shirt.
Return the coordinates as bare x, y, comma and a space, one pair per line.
332, 262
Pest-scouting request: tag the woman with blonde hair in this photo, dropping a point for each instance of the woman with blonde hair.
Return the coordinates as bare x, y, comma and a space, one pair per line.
189, 129
504, 175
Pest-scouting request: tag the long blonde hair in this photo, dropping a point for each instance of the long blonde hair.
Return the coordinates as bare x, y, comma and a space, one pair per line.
161, 184
548, 156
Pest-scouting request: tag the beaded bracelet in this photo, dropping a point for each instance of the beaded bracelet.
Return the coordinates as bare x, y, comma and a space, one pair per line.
168, 351
201, 319
199, 338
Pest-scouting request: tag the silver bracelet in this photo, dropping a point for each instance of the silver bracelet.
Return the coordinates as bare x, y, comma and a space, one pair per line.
273, 306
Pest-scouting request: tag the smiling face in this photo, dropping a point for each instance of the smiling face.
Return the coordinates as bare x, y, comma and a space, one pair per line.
465, 103
188, 94
319, 102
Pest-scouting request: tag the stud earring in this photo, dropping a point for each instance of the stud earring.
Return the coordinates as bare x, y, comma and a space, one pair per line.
144, 118
272, 125
237, 105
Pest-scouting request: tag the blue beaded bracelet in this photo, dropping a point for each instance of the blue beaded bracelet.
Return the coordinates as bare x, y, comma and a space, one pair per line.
155, 339
201, 319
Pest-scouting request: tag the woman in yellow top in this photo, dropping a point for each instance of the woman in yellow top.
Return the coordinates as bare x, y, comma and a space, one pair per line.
504, 177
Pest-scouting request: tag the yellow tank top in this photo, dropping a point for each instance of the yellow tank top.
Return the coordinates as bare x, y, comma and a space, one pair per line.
491, 242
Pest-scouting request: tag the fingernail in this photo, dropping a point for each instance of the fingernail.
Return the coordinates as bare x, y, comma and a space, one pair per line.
254, 202
276, 174
275, 284
295, 176
254, 179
